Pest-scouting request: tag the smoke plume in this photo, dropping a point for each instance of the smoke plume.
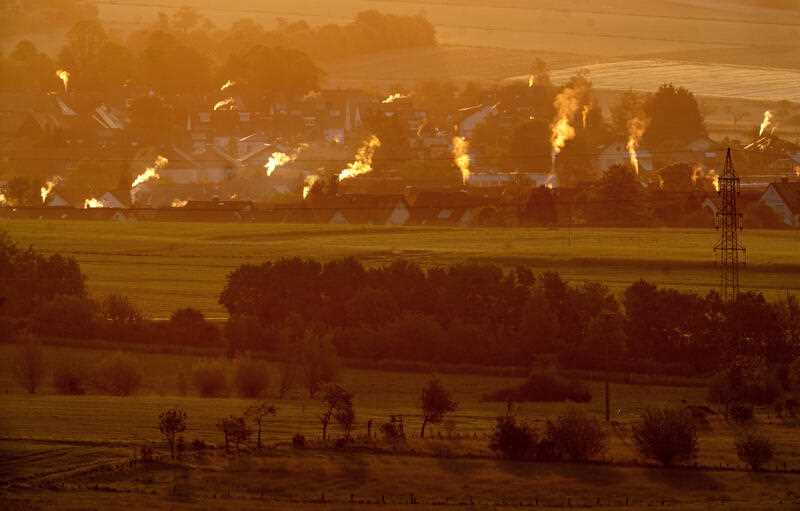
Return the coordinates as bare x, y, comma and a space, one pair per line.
391, 98
766, 123
278, 159
93, 203
63, 75
308, 184
225, 103
45, 190
567, 104
363, 160
150, 172
636, 129
461, 157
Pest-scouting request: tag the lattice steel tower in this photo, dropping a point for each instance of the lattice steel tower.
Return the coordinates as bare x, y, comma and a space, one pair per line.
729, 221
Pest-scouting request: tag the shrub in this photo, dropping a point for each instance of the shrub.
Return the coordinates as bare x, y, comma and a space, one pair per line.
666, 435
393, 432
252, 378
118, 375
29, 367
577, 436
745, 382
189, 327
298, 441
754, 449
70, 376
511, 440
209, 379
741, 413
545, 386
235, 430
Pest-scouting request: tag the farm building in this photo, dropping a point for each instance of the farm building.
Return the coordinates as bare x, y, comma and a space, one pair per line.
784, 199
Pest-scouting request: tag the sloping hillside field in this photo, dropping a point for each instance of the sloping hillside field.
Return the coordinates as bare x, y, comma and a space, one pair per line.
163, 266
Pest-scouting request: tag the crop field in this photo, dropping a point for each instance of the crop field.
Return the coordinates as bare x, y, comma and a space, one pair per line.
164, 266
718, 80
457, 64
81, 445
615, 28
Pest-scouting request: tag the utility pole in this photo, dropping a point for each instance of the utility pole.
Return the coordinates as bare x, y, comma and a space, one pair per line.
729, 222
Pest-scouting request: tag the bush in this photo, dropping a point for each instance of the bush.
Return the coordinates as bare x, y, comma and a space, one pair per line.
209, 379
511, 440
545, 386
298, 441
66, 316
577, 436
252, 378
754, 449
666, 435
69, 377
745, 382
29, 367
235, 430
118, 376
189, 327
741, 413
393, 432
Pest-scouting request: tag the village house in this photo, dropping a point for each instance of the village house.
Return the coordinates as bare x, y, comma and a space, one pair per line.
783, 198
617, 154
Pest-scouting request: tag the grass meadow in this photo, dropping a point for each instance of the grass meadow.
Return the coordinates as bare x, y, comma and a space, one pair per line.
79, 448
164, 266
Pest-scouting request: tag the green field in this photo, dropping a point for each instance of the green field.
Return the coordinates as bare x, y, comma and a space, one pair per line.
78, 447
164, 266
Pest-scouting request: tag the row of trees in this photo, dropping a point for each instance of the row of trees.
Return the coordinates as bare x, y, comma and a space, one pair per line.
186, 54
667, 436
336, 407
480, 314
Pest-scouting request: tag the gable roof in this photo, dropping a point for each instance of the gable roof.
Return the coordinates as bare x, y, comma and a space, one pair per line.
789, 192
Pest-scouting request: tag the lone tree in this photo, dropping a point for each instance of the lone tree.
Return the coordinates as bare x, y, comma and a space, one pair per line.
666, 435
335, 401
435, 402
755, 449
29, 368
235, 431
259, 413
170, 423
345, 417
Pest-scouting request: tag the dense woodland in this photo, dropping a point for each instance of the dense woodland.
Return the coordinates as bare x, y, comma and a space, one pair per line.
463, 314
185, 53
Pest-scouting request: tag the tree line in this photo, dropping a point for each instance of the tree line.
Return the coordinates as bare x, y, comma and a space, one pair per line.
185, 53
480, 314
